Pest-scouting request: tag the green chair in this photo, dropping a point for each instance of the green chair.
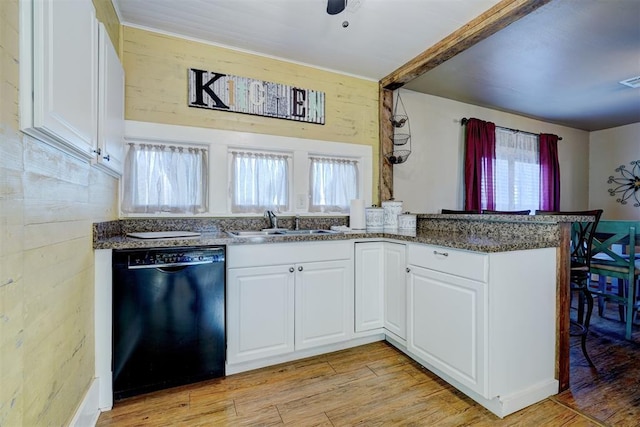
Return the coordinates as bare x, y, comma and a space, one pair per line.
608, 260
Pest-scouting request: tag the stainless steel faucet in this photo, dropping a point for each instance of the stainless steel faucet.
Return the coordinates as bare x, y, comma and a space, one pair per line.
273, 219
297, 222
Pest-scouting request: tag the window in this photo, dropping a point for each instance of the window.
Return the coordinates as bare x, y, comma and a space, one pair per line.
333, 183
517, 171
259, 181
165, 178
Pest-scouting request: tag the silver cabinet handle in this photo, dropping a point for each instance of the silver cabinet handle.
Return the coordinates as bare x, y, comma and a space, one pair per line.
408, 270
300, 268
291, 270
441, 253
98, 151
107, 157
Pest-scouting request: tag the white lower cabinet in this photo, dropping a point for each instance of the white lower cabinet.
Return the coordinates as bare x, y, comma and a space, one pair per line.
324, 303
275, 309
395, 289
485, 322
447, 325
260, 304
369, 282
381, 296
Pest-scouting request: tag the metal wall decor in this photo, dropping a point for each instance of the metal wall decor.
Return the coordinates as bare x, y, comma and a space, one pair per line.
628, 184
401, 134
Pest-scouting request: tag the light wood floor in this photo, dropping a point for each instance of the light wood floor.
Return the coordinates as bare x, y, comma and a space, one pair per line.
376, 385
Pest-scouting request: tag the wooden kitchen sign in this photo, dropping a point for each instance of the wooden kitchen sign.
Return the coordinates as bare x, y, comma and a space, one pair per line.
216, 91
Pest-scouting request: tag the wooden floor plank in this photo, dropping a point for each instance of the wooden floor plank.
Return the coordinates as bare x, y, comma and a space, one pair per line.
376, 385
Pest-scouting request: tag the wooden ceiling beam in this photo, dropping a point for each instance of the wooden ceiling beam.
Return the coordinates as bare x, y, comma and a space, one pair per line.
493, 20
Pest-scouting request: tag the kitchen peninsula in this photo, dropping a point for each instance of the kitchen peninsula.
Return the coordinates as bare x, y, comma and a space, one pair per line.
484, 295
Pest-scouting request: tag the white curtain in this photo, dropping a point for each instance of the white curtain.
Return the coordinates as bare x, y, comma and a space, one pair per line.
517, 171
165, 178
333, 184
259, 182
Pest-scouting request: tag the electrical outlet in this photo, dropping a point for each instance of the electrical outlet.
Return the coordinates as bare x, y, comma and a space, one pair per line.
301, 201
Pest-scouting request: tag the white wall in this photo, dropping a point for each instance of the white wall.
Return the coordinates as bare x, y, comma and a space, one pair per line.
608, 149
432, 177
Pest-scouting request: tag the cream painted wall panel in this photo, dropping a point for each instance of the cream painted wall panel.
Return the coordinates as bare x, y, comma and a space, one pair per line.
11, 350
609, 149
46, 261
11, 210
61, 358
45, 160
44, 235
156, 91
106, 14
432, 177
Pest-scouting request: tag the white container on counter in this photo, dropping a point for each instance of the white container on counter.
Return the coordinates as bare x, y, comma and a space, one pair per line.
374, 218
357, 219
392, 208
407, 222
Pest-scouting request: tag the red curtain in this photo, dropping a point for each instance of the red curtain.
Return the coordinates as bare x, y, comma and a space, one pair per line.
480, 153
549, 173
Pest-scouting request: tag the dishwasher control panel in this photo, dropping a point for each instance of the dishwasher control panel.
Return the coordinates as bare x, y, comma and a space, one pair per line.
174, 258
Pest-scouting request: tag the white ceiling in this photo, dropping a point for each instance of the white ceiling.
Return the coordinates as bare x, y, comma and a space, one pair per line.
381, 36
561, 64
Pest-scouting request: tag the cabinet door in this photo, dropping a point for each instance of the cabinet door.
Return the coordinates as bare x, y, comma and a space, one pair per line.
64, 79
369, 282
324, 303
395, 289
110, 107
447, 325
260, 314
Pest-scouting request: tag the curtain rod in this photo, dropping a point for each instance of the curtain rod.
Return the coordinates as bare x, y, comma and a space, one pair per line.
464, 121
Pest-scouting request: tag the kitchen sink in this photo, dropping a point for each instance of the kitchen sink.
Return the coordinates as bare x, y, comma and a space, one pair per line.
277, 232
304, 232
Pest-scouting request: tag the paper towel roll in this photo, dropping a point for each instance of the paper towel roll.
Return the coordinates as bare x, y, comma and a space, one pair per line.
356, 215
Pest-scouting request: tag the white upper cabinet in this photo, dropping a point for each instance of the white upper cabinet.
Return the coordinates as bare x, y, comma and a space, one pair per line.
59, 54
110, 151
71, 83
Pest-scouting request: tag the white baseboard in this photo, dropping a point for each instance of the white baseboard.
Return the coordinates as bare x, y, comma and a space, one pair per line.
88, 411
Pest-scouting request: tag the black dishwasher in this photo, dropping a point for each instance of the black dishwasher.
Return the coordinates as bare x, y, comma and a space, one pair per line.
168, 317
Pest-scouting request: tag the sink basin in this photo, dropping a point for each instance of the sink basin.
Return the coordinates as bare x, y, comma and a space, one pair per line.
255, 233
303, 232
277, 232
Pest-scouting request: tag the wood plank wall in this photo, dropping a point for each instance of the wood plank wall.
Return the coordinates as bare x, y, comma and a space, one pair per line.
156, 91
48, 202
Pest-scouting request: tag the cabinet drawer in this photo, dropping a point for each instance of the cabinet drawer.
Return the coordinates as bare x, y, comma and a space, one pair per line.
451, 261
287, 253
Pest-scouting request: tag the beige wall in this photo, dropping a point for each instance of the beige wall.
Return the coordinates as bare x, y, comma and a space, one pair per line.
156, 91
107, 15
432, 177
608, 149
48, 202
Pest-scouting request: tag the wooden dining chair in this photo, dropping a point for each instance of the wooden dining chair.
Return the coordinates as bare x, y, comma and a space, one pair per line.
453, 211
523, 212
582, 234
608, 260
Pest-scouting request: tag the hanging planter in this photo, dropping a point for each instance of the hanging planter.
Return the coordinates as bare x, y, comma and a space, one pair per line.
402, 139
399, 117
397, 156
398, 121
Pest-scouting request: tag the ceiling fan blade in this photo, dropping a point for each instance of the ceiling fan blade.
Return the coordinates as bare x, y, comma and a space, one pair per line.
336, 6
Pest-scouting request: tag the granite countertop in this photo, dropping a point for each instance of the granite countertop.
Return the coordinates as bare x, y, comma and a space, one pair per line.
479, 241
479, 233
